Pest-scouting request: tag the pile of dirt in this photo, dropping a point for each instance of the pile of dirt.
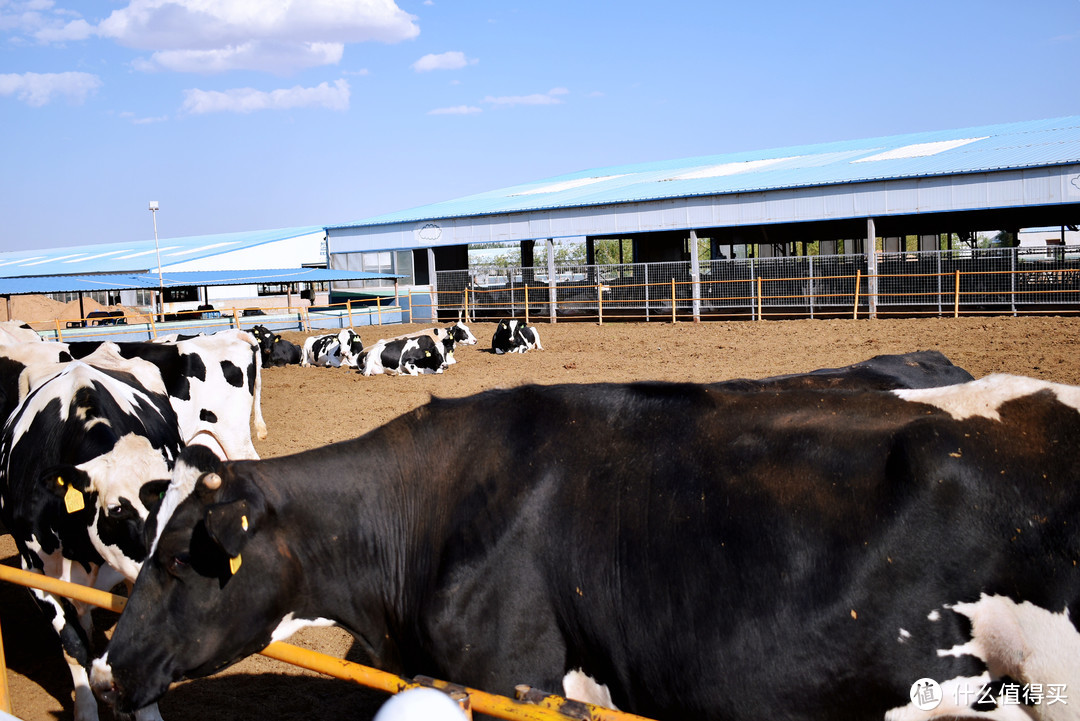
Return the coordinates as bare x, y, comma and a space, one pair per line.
41, 311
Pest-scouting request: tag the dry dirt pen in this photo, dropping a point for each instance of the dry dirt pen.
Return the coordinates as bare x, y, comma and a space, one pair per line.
309, 407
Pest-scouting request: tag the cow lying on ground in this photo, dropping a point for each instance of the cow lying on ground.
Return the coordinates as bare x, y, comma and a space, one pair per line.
425, 351
274, 350
78, 459
515, 336
682, 551
332, 350
408, 356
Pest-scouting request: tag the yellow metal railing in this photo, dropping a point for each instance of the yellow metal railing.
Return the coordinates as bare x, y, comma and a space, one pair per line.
530, 706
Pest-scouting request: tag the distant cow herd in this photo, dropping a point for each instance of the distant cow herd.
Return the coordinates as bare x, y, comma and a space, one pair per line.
890, 540
428, 351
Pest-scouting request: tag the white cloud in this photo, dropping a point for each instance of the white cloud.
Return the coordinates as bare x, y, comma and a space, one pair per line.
456, 110
551, 97
38, 89
211, 36
247, 100
268, 56
453, 60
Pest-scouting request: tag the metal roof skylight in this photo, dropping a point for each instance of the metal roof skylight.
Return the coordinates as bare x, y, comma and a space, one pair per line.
920, 150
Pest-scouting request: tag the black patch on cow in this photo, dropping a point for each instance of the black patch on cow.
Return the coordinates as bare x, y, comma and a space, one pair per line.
234, 374
123, 528
207, 415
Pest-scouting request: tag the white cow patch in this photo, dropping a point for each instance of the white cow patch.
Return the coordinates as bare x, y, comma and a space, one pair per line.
1022, 641
291, 624
579, 686
985, 396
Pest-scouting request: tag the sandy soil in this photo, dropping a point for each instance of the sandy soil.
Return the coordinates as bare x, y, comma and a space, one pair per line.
309, 407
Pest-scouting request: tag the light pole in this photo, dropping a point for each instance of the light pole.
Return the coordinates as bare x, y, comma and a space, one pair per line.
157, 252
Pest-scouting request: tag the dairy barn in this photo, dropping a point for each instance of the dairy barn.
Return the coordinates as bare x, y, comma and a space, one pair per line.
926, 223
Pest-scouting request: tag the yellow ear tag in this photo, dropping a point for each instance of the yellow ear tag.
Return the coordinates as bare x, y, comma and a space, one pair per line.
243, 523
427, 354
234, 564
73, 500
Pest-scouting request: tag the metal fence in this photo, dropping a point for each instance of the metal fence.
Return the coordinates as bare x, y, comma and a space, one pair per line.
953, 282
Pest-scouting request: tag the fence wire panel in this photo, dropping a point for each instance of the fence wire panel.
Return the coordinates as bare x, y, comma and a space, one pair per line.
927, 282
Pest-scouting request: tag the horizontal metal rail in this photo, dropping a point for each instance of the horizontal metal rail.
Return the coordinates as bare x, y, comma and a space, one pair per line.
531, 707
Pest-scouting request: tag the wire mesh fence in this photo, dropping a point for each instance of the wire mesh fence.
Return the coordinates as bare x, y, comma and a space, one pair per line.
996, 280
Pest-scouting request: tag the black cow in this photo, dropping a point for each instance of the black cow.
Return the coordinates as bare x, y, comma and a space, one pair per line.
79, 461
515, 336
702, 553
274, 350
919, 369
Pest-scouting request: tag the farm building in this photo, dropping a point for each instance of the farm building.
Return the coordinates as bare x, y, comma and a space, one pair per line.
188, 280
708, 216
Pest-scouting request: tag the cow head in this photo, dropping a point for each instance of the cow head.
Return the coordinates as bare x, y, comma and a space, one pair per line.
120, 488
215, 568
461, 333
351, 347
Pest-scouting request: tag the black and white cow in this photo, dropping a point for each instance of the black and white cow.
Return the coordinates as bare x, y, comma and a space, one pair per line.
15, 358
411, 356
17, 331
79, 459
681, 551
333, 350
274, 350
515, 336
214, 383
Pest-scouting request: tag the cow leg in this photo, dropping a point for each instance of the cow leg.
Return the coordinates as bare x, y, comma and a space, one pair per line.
73, 625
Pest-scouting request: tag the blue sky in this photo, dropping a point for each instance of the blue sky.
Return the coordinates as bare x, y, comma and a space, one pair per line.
250, 114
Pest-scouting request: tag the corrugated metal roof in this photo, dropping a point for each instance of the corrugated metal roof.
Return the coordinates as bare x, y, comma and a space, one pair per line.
128, 281
946, 152
140, 255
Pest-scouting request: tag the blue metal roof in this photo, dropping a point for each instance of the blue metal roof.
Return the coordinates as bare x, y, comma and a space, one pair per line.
127, 281
137, 256
946, 152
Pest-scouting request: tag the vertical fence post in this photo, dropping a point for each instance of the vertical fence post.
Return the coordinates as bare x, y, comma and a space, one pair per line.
236, 317
468, 309
59, 335
673, 299
526, 303
378, 309
348, 308
858, 282
1012, 279
600, 300
646, 292
810, 263
956, 296
153, 328
760, 300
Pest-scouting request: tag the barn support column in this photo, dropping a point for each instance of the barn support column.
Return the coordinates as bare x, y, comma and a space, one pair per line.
552, 281
695, 275
433, 281
871, 267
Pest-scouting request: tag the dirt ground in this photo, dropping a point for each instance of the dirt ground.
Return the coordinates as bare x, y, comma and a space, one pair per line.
309, 407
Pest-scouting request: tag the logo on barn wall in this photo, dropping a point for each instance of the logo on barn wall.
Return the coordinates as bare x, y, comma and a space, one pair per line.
1075, 182
429, 232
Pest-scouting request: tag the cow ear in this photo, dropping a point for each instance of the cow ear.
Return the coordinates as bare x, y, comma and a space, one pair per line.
151, 493
230, 524
68, 483
59, 479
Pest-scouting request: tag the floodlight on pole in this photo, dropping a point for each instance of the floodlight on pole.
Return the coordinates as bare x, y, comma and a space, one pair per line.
157, 252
